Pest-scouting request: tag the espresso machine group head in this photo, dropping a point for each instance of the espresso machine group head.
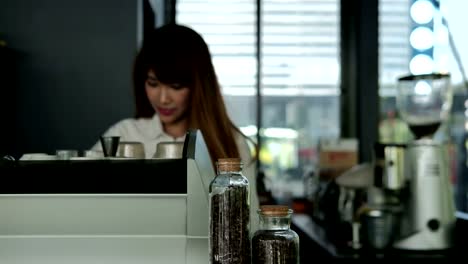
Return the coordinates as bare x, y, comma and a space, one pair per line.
424, 102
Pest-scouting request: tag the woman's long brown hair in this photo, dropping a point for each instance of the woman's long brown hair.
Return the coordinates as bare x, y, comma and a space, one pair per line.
178, 54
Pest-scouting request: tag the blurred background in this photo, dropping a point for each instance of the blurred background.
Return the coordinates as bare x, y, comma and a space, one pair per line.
294, 73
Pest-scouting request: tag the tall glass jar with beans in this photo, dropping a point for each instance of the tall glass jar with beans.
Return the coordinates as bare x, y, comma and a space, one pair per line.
229, 214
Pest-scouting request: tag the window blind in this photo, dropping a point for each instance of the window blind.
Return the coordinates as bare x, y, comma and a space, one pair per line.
300, 44
394, 49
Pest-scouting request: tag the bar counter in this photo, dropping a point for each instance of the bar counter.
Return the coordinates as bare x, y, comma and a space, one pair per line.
316, 247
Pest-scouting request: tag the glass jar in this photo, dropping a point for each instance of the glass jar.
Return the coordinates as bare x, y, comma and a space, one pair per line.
229, 205
275, 242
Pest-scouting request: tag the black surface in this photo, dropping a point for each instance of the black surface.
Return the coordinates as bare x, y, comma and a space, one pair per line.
94, 176
359, 60
312, 251
430, 76
7, 99
71, 73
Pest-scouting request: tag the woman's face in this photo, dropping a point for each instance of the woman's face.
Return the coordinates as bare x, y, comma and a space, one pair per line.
170, 101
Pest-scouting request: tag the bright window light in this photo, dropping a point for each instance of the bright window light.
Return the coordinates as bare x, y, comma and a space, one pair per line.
270, 132
275, 132
249, 131
442, 35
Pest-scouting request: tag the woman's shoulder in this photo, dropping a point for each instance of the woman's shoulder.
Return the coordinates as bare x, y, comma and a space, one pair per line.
244, 145
238, 136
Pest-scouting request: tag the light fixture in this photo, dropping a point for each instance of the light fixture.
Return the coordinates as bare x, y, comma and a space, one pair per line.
422, 11
421, 64
422, 38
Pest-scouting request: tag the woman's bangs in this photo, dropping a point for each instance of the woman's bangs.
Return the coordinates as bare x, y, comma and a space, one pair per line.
171, 70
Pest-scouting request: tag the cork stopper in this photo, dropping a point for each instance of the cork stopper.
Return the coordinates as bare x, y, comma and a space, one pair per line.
275, 210
229, 164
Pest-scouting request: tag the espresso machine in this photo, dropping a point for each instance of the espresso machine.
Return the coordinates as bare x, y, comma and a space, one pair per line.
428, 216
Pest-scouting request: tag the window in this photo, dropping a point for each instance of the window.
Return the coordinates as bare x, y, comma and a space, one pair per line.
394, 57
299, 80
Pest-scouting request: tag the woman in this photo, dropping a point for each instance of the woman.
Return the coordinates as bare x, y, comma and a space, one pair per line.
176, 89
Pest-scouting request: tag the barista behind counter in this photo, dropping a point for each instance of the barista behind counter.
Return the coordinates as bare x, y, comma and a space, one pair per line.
176, 89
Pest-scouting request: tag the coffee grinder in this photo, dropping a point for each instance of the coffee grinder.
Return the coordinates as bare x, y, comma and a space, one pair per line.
424, 102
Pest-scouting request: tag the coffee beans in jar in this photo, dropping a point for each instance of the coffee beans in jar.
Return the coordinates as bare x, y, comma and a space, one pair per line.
229, 214
275, 242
